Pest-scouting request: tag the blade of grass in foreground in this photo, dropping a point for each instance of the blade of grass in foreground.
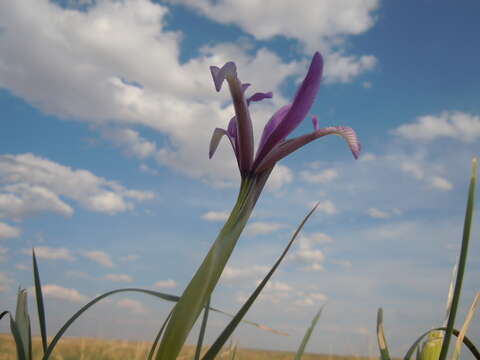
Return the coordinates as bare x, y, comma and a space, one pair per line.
307, 335
157, 338
22, 322
18, 340
40, 306
222, 339
198, 350
462, 260
468, 343
382, 342
466, 324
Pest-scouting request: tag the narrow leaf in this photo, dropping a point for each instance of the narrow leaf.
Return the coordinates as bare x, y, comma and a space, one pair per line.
382, 342
18, 340
157, 338
462, 260
40, 307
22, 321
201, 335
217, 345
307, 335
466, 324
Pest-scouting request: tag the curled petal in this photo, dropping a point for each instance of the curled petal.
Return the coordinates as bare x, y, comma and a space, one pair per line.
220, 74
215, 140
275, 133
259, 96
287, 147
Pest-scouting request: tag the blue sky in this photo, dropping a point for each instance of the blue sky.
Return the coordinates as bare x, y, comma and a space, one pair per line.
107, 112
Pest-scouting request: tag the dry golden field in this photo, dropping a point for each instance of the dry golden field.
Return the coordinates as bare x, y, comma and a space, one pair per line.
99, 349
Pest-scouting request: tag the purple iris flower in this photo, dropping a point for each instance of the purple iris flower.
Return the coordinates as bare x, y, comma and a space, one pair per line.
273, 143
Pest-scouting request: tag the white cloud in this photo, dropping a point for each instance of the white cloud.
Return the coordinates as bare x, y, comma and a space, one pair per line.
307, 254
413, 168
32, 184
165, 284
440, 183
232, 274
134, 306
132, 141
311, 299
262, 228
45, 252
215, 216
119, 277
343, 69
379, 214
281, 175
321, 177
8, 231
327, 206
5, 281
457, 125
62, 293
100, 257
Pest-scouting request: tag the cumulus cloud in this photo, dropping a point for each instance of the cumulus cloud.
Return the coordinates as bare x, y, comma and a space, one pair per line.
8, 231
307, 254
232, 274
5, 281
30, 184
100, 257
119, 277
440, 183
134, 306
131, 141
263, 228
311, 299
321, 177
343, 69
45, 252
63, 293
165, 284
327, 206
215, 216
280, 176
454, 124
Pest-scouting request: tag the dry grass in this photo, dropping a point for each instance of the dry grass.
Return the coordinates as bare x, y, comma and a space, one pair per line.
100, 349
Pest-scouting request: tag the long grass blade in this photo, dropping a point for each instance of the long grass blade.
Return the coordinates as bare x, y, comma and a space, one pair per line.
217, 345
466, 324
468, 343
4, 313
22, 322
157, 338
201, 335
306, 337
382, 342
18, 340
40, 307
462, 260
450, 294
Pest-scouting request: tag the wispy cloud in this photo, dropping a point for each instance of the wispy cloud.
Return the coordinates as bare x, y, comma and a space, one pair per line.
45, 252
8, 231
215, 216
263, 228
165, 284
231, 274
63, 293
321, 177
100, 257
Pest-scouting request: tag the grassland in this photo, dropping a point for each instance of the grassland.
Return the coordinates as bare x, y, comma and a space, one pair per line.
100, 349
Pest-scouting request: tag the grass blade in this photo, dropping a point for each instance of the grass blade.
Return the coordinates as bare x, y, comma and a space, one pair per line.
462, 260
382, 342
221, 340
18, 340
468, 343
4, 313
466, 324
157, 338
40, 307
307, 335
22, 322
198, 350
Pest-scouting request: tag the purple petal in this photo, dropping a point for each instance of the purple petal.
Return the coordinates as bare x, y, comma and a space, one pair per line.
215, 140
287, 147
277, 132
220, 74
245, 87
315, 122
259, 96
272, 124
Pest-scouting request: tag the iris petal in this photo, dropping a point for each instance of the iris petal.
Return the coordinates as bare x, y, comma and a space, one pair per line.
217, 135
220, 74
287, 147
259, 96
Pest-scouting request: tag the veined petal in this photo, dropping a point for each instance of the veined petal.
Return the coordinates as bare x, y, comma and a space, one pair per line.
220, 74
259, 96
276, 131
217, 135
287, 147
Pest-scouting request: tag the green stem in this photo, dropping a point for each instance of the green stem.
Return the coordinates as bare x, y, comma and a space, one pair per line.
201, 286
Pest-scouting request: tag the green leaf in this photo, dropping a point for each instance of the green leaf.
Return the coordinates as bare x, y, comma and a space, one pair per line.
468, 343
40, 306
22, 322
382, 342
466, 324
221, 340
18, 340
201, 335
462, 260
207, 275
157, 338
307, 335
